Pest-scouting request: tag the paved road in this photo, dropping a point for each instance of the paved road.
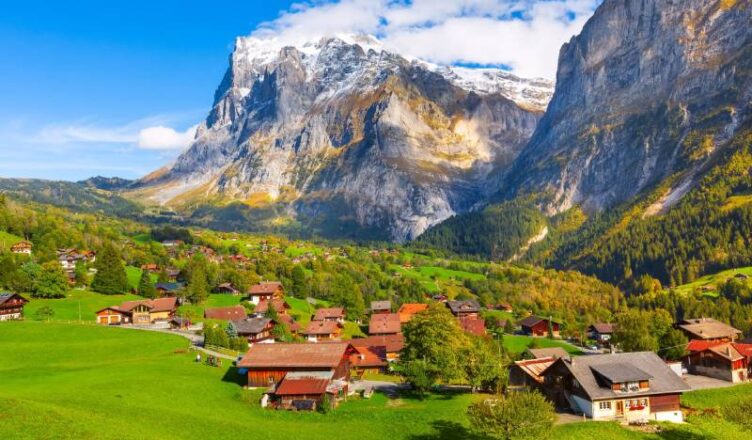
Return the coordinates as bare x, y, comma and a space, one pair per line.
197, 341
703, 382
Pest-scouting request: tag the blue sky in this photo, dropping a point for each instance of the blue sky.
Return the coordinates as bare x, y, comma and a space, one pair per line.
112, 88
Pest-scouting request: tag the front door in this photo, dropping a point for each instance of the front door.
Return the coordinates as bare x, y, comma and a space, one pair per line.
619, 408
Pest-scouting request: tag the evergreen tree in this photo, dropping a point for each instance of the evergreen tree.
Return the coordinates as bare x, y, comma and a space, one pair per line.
198, 284
110, 278
146, 288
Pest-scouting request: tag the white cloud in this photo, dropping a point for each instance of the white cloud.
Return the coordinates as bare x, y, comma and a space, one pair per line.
524, 35
165, 138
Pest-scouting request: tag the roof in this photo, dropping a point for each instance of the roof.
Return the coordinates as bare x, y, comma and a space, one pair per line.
301, 386
289, 321
251, 326
386, 323
166, 304
743, 349
621, 372
535, 367
663, 379
467, 306
406, 311
533, 320
329, 313
279, 305
696, 345
392, 343
225, 313
381, 305
369, 356
321, 328
5, 296
708, 328
170, 287
603, 328
287, 355
265, 288
475, 326
553, 352
727, 351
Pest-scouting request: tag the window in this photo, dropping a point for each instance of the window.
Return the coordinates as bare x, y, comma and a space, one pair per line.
604, 405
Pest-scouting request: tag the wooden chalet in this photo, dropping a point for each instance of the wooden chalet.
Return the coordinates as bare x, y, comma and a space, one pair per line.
278, 305
227, 288
266, 290
468, 308
335, 314
368, 359
22, 247
538, 327
150, 267
230, 313
378, 307
474, 326
708, 329
318, 331
392, 344
527, 374
143, 312
631, 387
255, 329
600, 332
168, 289
408, 310
729, 361
384, 324
11, 306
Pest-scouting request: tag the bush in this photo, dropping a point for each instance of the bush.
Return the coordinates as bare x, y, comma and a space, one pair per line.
518, 416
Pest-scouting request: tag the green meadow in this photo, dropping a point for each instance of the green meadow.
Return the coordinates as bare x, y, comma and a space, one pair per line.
81, 304
708, 285
519, 343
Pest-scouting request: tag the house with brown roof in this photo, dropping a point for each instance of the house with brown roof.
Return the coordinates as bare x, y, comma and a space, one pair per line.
408, 310
367, 359
265, 290
230, 313
278, 305
22, 247
708, 329
537, 326
729, 361
142, 312
381, 307
384, 324
254, 329
473, 326
227, 288
630, 387
11, 306
336, 314
319, 331
392, 344
468, 308
600, 332
527, 374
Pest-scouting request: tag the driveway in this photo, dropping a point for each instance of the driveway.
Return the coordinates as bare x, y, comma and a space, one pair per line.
703, 382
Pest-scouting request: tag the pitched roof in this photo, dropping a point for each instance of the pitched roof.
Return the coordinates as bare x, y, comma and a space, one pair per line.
289, 321
5, 296
368, 356
467, 306
408, 310
377, 306
474, 326
392, 343
621, 372
603, 328
727, 351
166, 304
552, 352
265, 288
251, 326
169, 287
329, 313
696, 345
321, 328
663, 379
287, 355
535, 367
279, 305
708, 328
387, 323
301, 386
230, 313
533, 320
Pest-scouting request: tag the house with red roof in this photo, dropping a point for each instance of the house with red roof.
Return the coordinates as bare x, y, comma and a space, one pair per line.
729, 361
318, 331
142, 312
231, 313
384, 324
408, 310
336, 314
474, 326
265, 290
392, 344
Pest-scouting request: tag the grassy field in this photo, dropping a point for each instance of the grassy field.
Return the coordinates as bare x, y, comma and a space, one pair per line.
87, 382
519, 343
710, 282
67, 309
7, 240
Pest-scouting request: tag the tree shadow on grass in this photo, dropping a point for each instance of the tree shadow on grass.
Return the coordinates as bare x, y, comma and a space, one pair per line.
232, 376
448, 430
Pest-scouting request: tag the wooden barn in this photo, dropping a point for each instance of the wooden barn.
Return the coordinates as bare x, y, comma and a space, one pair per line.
11, 306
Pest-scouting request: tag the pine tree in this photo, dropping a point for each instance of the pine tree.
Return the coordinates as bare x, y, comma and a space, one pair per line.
145, 287
110, 278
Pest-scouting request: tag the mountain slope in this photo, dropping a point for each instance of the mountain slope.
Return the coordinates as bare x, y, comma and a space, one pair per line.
341, 132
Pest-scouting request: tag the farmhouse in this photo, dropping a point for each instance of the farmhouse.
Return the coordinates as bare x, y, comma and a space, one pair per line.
468, 308
11, 306
168, 288
265, 290
318, 331
384, 324
473, 326
727, 361
538, 327
227, 288
141, 312
708, 329
335, 314
527, 374
255, 329
232, 313
381, 307
408, 310
22, 247
368, 359
392, 344
279, 305
632, 387
600, 332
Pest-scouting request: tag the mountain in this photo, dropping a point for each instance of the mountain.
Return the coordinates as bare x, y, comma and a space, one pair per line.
343, 137
643, 159
107, 183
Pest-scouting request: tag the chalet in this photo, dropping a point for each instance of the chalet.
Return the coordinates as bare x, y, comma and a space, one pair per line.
727, 361
304, 391
231, 313
408, 310
22, 247
474, 326
336, 314
318, 331
505, 307
381, 307
384, 324
368, 359
278, 305
265, 290
168, 288
538, 327
392, 345
600, 332
527, 374
227, 288
150, 267
143, 312
255, 329
172, 274
11, 306
708, 329
631, 387
464, 308
267, 364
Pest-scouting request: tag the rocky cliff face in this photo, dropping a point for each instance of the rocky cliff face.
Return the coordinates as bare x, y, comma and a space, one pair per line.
650, 90
343, 130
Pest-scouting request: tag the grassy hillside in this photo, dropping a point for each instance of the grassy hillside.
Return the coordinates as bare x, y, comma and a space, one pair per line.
708, 285
83, 301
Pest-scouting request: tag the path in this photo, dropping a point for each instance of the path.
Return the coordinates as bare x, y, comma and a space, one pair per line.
197, 341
